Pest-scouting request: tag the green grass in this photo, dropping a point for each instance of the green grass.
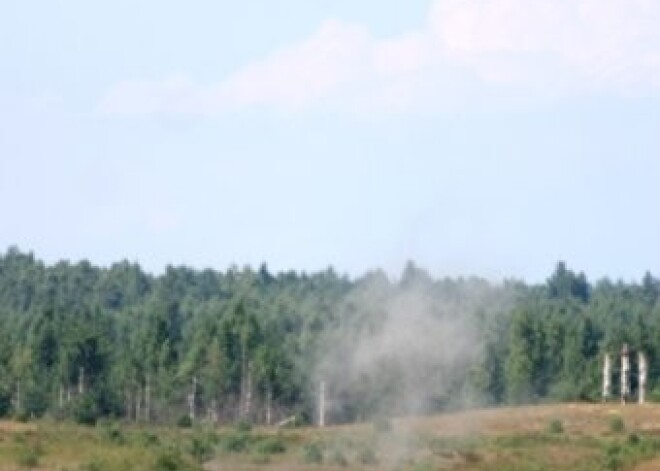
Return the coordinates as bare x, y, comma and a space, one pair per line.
113, 446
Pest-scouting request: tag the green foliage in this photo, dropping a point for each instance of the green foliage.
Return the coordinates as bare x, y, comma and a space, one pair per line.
337, 458
201, 448
270, 446
616, 424
119, 330
312, 453
28, 456
85, 411
556, 426
367, 456
170, 460
235, 442
184, 421
243, 426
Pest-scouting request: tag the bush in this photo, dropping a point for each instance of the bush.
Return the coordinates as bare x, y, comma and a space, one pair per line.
236, 442
93, 465
367, 456
337, 458
148, 439
556, 426
613, 461
113, 434
184, 421
617, 425
28, 457
271, 446
312, 453
85, 411
243, 426
22, 416
201, 448
169, 460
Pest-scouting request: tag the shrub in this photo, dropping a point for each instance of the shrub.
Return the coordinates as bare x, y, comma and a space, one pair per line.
617, 425
367, 456
184, 421
613, 461
312, 453
148, 439
22, 416
236, 442
556, 426
271, 445
201, 448
169, 460
85, 411
113, 434
28, 457
93, 465
243, 426
337, 458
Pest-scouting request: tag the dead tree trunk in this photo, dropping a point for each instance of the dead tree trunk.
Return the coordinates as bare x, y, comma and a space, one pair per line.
269, 407
81, 380
191, 398
322, 404
18, 395
147, 399
138, 404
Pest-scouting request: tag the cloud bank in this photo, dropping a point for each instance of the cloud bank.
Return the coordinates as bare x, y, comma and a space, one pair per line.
466, 52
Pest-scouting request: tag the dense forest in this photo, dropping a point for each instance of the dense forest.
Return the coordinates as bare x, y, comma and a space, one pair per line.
83, 342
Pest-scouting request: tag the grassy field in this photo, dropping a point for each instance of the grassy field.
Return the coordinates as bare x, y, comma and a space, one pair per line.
542, 438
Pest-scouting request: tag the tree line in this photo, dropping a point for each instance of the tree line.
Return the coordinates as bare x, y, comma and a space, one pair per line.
80, 341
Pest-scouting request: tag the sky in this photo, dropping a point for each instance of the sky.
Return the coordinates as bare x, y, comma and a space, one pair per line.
475, 137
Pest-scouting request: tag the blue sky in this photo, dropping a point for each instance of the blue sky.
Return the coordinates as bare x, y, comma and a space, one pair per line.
489, 138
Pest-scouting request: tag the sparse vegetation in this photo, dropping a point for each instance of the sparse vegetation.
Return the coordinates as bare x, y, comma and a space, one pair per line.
312, 453
556, 426
617, 425
518, 439
28, 456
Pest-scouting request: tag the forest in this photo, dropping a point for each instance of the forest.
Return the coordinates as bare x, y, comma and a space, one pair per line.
84, 342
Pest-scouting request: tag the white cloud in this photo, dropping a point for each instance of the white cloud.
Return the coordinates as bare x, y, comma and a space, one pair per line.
466, 49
